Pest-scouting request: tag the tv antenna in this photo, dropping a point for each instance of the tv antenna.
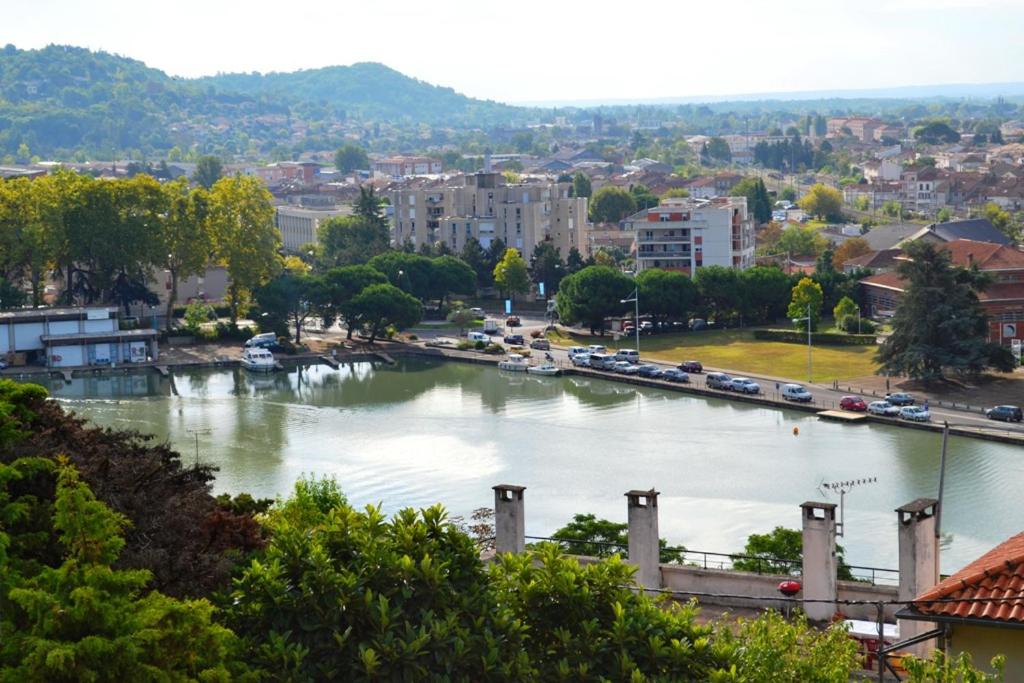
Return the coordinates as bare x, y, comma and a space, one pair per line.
844, 487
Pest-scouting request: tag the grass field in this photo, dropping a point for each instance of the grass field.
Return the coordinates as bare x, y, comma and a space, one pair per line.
738, 350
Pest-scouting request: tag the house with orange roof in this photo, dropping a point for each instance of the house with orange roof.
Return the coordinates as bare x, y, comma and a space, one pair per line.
981, 608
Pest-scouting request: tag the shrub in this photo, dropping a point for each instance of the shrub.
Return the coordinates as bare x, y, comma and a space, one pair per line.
849, 323
824, 338
494, 349
412, 337
480, 345
464, 345
197, 313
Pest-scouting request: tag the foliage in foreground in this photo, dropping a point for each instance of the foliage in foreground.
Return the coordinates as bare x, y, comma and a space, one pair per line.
959, 669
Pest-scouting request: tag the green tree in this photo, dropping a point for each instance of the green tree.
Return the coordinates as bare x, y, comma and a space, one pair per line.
666, 295
474, 255
587, 535
461, 317
591, 295
824, 201
806, 293
370, 206
845, 307
1001, 219
350, 158
676, 192
290, 299
758, 203
611, 204
781, 552
511, 274
412, 273
197, 313
642, 195
209, 170
718, 150
245, 238
381, 306
801, 240
892, 208
351, 240
342, 285
546, 266
185, 236
939, 324
581, 185
574, 261
942, 668
936, 133
766, 291
720, 292
944, 215
451, 275
850, 249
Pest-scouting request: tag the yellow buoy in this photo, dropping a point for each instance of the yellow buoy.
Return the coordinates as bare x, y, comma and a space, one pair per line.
796, 431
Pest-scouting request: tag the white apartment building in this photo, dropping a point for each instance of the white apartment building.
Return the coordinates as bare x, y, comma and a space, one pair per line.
483, 206
685, 234
298, 226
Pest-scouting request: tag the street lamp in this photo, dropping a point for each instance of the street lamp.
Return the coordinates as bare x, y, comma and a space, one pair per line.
810, 375
636, 320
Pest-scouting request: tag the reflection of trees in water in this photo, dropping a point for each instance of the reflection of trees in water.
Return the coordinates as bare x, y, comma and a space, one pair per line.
595, 393
133, 384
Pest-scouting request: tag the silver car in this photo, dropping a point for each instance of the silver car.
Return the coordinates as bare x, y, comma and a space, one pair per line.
915, 414
745, 385
624, 367
581, 360
883, 408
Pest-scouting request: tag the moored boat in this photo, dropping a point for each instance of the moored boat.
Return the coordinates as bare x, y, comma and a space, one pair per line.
258, 360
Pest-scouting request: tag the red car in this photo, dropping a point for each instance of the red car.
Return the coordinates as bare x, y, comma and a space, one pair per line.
855, 403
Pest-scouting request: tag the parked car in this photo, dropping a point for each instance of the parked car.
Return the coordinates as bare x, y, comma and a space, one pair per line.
602, 361
515, 339
512, 321
797, 393
883, 408
697, 324
540, 344
596, 348
474, 336
674, 375
1005, 413
691, 366
854, 403
900, 399
580, 360
624, 367
646, 326
745, 385
719, 380
649, 371
576, 350
628, 355
477, 311
914, 414
260, 339
3, 364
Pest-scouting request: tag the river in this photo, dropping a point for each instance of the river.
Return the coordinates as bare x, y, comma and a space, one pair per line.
426, 431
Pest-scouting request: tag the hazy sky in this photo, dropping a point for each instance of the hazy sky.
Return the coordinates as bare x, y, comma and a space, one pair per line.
532, 50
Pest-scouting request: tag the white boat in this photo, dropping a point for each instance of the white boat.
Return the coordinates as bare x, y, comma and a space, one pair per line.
514, 362
258, 360
546, 369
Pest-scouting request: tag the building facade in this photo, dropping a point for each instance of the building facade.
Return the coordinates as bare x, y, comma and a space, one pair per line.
400, 167
686, 234
484, 206
72, 337
299, 226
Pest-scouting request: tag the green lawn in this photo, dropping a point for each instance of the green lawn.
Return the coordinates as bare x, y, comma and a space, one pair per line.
738, 350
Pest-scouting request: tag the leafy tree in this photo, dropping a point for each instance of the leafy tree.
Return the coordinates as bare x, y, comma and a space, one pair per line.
381, 306
197, 313
574, 261
10, 295
350, 158
462, 317
718, 150
720, 291
766, 291
245, 238
209, 170
291, 298
939, 323
845, 307
806, 293
849, 249
944, 215
512, 275
370, 206
495, 252
942, 668
451, 275
185, 236
581, 185
758, 202
342, 285
642, 195
936, 133
1001, 219
824, 201
801, 240
474, 255
676, 192
591, 295
781, 552
412, 273
788, 194
351, 240
546, 266
611, 204
666, 295
588, 535
892, 208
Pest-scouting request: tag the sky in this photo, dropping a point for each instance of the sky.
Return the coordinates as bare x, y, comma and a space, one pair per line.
531, 51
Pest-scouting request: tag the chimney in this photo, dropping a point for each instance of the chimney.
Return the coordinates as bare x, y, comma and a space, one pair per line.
643, 536
919, 562
819, 559
487, 161
509, 519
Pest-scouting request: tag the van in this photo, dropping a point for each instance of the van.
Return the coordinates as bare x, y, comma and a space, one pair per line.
491, 326
628, 355
795, 392
478, 336
596, 348
602, 361
719, 380
261, 340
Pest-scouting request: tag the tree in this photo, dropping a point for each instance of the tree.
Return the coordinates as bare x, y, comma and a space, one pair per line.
676, 192
451, 275
944, 215
1001, 220
824, 201
806, 293
936, 133
801, 240
574, 261
461, 317
185, 237
412, 273
780, 552
591, 295
342, 285
351, 240
511, 275
290, 299
546, 266
245, 238
642, 195
892, 208
758, 203
381, 306
850, 249
718, 149
942, 668
350, 158
611, 204
197, 313
370, 206
475, 256
587, 535
208, 171
666, 295
939, 323
720, 292
766, 291
581, 185
845, 307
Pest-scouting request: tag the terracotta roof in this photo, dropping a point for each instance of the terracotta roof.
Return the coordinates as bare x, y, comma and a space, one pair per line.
888, 280
999, 573
884, 258
987, 255
1003, 291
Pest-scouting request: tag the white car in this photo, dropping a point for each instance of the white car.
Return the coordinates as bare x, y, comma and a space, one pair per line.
745, 385
883, 408
577, 350
580, 360
915, 414
596, 348
624, 367
477, 311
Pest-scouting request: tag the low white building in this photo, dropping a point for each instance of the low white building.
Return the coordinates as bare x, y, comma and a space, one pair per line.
299, 226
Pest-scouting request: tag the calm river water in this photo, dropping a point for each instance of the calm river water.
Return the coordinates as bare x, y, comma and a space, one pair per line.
424, 431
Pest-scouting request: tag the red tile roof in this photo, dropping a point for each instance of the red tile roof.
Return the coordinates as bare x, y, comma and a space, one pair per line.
999, 573
888, 280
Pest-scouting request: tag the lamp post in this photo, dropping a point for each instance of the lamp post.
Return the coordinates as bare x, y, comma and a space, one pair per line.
810, 374
636, 320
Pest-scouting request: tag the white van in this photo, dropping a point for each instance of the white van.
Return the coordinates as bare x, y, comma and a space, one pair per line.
602, 361
478, 336
795, 392
261, 339
596, 348
628, 355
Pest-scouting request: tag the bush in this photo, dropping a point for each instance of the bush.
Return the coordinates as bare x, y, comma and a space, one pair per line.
849, 323
823, 338
464, 345
412, 337
480, 345
494, 349
233, 332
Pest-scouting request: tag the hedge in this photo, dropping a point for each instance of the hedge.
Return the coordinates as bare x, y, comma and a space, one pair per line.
826, 338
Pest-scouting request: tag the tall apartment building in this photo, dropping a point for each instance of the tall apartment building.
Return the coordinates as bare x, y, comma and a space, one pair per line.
399, 167
685, 234
298, 226
484, 206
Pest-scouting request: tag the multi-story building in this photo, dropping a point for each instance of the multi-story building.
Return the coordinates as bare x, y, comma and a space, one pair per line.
400, 167
298, 226
484, 206
686, 234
